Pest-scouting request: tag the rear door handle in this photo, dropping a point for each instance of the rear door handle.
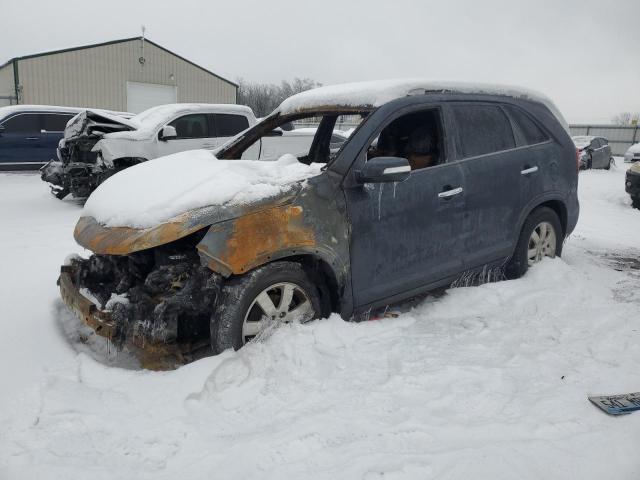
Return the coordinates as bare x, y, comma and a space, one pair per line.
450, 193
529, 171
32, 138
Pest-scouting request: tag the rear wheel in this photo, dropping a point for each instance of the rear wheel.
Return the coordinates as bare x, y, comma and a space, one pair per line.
541, 236
635, 202
611, 162
258, 301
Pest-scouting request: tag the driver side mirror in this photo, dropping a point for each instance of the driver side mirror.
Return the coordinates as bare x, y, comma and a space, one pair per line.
168, 132
384, 169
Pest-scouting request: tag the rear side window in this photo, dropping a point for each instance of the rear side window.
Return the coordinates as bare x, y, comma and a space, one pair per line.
54, 122
228, 125
191, 126
25, 123
595, 143
482, 129
525, 129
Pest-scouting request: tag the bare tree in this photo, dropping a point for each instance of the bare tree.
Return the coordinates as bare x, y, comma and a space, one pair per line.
626, 118
263, 98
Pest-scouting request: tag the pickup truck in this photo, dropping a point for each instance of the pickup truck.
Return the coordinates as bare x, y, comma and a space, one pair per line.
97, 144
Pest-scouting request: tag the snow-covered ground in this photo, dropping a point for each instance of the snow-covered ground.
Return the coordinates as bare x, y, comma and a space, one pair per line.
485, 382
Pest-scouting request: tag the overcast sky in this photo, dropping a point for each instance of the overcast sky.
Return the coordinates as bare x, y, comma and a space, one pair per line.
584, 54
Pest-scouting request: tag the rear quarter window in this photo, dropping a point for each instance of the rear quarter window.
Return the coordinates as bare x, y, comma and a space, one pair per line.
524, 128
228, 125
481, 129
53, 122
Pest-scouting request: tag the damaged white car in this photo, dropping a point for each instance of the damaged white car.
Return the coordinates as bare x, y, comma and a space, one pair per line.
97, 144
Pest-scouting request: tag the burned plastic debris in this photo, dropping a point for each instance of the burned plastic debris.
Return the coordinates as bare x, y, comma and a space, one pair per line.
162, 295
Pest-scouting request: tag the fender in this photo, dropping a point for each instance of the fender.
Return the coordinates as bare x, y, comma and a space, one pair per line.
239, 245
554, 196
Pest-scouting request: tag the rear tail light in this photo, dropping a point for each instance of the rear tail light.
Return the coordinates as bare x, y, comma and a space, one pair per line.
578, 159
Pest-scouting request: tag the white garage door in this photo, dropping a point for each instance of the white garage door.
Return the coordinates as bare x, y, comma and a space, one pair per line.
141, 96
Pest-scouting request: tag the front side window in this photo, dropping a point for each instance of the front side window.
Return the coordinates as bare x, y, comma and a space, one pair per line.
53, 122
191, 126
481, 129
24, 123
525, 130
229, 125
414, 136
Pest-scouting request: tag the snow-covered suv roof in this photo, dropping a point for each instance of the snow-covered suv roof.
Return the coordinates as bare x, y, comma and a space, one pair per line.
379, 92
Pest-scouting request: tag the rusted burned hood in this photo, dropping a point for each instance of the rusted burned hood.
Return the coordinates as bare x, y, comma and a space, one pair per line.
99, 238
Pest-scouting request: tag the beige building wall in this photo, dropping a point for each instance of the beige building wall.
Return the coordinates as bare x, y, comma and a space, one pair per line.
7, 88
97, 76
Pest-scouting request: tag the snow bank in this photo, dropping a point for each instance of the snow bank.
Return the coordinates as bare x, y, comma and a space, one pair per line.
151, 193
379, 92
487, 382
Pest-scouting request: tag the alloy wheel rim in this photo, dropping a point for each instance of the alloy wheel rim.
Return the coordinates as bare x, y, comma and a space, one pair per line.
542, 243
282, 302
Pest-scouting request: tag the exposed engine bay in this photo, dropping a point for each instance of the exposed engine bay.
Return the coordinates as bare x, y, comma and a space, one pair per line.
157, 296
80, 169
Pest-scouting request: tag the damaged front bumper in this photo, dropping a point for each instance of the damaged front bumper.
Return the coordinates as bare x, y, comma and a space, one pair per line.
167, 321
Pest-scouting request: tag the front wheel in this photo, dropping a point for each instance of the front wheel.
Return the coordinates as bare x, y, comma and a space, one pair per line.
541, 236
260, 300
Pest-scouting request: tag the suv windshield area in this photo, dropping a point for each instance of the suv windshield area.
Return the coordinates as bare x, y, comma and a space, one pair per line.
323, 148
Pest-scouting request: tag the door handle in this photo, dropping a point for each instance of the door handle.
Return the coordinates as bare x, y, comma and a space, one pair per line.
529, 170
450, 193
32, 138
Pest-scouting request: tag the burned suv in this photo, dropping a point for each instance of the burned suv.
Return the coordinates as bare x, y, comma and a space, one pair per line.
437, 181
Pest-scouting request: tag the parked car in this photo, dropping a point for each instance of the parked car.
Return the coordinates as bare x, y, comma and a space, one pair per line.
633, 154
632, 184
594, 152
437, 181
29, 134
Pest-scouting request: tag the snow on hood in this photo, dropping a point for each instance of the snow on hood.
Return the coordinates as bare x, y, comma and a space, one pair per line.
153, 192
635, 148
379, 92
97, 122
582, 141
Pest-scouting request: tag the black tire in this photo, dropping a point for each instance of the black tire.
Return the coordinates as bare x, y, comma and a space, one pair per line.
611, 160
239, 294
635, 202
518, 264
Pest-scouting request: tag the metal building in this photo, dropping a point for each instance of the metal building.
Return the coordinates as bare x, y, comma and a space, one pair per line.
131, 75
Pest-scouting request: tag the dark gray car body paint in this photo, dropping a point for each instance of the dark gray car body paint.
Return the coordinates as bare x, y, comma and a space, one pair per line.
388, 242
